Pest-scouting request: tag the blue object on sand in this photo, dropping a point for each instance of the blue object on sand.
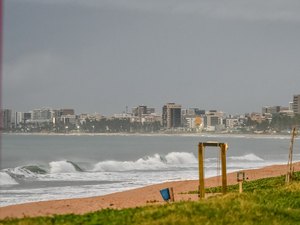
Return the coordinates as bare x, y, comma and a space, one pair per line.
165, 194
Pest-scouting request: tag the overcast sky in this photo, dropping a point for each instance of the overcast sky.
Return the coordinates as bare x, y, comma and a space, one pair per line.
103, 55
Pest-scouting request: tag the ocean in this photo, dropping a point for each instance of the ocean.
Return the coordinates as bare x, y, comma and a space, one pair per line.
48, 167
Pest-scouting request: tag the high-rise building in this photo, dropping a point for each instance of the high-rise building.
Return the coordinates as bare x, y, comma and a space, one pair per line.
291, 106
42, 115
213, 118
65, 112
139, 111
150, 110
193, 112
27, 116
271, 109
171, 115
296, 104
19, 118
6, 119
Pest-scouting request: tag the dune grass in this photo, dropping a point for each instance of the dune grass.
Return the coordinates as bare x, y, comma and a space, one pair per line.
264, 201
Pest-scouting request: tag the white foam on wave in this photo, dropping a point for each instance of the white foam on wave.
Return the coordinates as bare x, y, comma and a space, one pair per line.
20, 172
147, 163
61, 167
180, 158
155, 162
6, 179
247, 157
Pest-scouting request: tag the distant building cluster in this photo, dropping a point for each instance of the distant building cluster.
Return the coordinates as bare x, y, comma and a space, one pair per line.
36, 117
173, 118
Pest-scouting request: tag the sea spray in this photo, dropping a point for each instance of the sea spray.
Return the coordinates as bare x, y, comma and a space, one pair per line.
146, 163
155, 162
6, 179
180, 158
61, 167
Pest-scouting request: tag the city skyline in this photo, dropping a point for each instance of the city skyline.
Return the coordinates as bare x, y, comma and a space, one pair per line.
101, 56
141, 109
142, 119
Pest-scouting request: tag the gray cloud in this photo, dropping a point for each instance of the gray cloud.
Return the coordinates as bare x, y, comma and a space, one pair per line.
104, 55
251, 10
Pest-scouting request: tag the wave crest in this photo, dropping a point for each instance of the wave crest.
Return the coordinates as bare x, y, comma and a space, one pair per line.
20, 172
63, 167
154, 162
180, 158
35, 169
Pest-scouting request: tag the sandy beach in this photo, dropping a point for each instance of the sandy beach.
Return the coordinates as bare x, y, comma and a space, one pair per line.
132, 198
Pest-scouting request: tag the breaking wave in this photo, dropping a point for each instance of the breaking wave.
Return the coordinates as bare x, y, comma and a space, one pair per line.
180, 158
155, 162
35, 169
6, 179
20, 172
64, 167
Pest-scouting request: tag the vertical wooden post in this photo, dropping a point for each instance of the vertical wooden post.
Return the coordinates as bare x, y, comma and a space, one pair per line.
289, 174
201, 170
224, 174
240, 187
240, 177
172, 199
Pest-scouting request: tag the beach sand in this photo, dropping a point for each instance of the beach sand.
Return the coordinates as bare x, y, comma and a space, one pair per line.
148, 195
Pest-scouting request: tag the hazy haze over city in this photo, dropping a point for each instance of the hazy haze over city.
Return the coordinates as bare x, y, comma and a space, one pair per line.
101, 56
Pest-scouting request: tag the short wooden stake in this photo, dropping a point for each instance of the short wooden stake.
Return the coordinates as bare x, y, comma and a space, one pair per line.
240, 186
171, 194
240, 177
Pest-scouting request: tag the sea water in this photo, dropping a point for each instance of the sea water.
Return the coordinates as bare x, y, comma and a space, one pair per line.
48, 167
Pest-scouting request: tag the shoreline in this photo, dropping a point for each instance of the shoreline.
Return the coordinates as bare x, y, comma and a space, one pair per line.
148, 195
202, 134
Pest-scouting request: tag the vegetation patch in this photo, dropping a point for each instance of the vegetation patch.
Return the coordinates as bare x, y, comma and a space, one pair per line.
251, 186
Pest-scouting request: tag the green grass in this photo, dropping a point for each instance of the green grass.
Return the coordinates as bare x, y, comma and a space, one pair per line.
250, 186
264, 201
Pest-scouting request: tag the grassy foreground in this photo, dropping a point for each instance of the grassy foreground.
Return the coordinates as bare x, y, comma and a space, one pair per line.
265, 201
